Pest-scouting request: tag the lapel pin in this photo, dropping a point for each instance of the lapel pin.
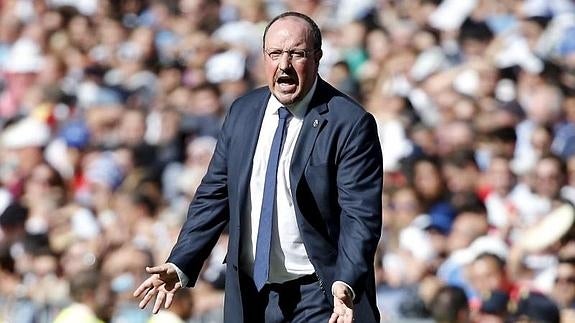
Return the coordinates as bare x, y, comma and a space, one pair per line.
315, 123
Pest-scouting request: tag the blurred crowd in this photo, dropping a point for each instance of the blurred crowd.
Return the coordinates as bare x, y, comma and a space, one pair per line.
110, 110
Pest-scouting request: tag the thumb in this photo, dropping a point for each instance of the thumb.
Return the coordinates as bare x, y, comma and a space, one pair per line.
158, 269
340, 293
343, 294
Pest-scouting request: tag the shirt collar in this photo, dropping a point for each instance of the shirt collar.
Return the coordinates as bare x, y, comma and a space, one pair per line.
299, 109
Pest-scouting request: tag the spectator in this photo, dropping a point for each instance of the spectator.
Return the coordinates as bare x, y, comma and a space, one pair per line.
493, 308
92, 300
450, 306
536, 307
487, 274
564, 287
179, 312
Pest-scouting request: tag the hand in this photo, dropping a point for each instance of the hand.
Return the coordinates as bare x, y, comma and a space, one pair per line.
163, 284
343, 304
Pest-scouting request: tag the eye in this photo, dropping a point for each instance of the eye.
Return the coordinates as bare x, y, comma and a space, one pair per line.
275, 54
297, 54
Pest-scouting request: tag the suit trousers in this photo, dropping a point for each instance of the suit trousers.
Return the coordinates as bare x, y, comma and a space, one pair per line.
302, 300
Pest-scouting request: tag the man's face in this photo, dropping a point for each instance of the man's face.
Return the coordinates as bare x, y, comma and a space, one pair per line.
564, 288
486, 276
290, 78
548, 178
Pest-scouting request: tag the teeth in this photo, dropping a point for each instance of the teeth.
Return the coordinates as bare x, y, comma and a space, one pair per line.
285, 79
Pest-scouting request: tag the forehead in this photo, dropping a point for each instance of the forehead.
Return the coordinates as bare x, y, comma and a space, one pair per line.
547, 165
566, 268
288, 29
404, 194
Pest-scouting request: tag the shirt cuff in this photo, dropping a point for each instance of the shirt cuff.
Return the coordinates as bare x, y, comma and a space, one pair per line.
184, 279
346, 285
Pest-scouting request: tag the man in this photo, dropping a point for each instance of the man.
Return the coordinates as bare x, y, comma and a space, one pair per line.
93, 300
563, 292
487, 274
450, 305
180, 311
323, 215
534, 307
493, 308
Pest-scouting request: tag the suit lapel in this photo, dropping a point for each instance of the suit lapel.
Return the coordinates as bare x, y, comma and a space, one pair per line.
250, 133
313, 123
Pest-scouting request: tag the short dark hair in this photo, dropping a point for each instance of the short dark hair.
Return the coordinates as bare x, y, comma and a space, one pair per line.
475, 30
499, 262
448, 303
315, 32
84, 283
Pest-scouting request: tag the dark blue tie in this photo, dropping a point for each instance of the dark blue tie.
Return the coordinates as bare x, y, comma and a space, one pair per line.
263, 246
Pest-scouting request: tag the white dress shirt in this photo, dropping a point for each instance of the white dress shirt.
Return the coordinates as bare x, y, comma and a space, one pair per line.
288, 257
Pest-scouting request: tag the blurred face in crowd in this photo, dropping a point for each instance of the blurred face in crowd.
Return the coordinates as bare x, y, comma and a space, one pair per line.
569, 108
460, 179
486, 275
53, 70
428, 182
405, 207
564, 288
377, 45
541, 140
132, 127
206, 102
571, 171
455, 136
548, 178
290, 75
531, 31
543, 104
183, 303
104, 301
24, 159
123, 267
425, 139
78, 257
500, 176
466, 227
40, 180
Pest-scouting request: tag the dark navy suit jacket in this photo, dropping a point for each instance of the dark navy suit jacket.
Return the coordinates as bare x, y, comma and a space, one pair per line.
336, 181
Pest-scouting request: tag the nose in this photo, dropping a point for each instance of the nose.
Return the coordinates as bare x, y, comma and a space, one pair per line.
284, 61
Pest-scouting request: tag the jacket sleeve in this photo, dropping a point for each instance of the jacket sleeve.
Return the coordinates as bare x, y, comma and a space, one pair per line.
359, 184
208, 214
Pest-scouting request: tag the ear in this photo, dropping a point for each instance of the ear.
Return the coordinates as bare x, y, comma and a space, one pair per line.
318, 56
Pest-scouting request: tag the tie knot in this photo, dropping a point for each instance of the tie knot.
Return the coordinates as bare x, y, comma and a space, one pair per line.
283, 113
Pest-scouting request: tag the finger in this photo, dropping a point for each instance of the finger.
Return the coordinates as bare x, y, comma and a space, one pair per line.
170, 295
147, 297
346, 301
333, 318
169, 299
338, 307
142, 288
348, 318
159, 300
157, 269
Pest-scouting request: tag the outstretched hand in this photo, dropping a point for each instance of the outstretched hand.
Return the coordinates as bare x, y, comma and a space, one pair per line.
342, 304
162, 285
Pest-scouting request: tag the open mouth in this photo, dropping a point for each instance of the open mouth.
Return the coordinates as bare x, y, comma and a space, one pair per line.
286, 82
